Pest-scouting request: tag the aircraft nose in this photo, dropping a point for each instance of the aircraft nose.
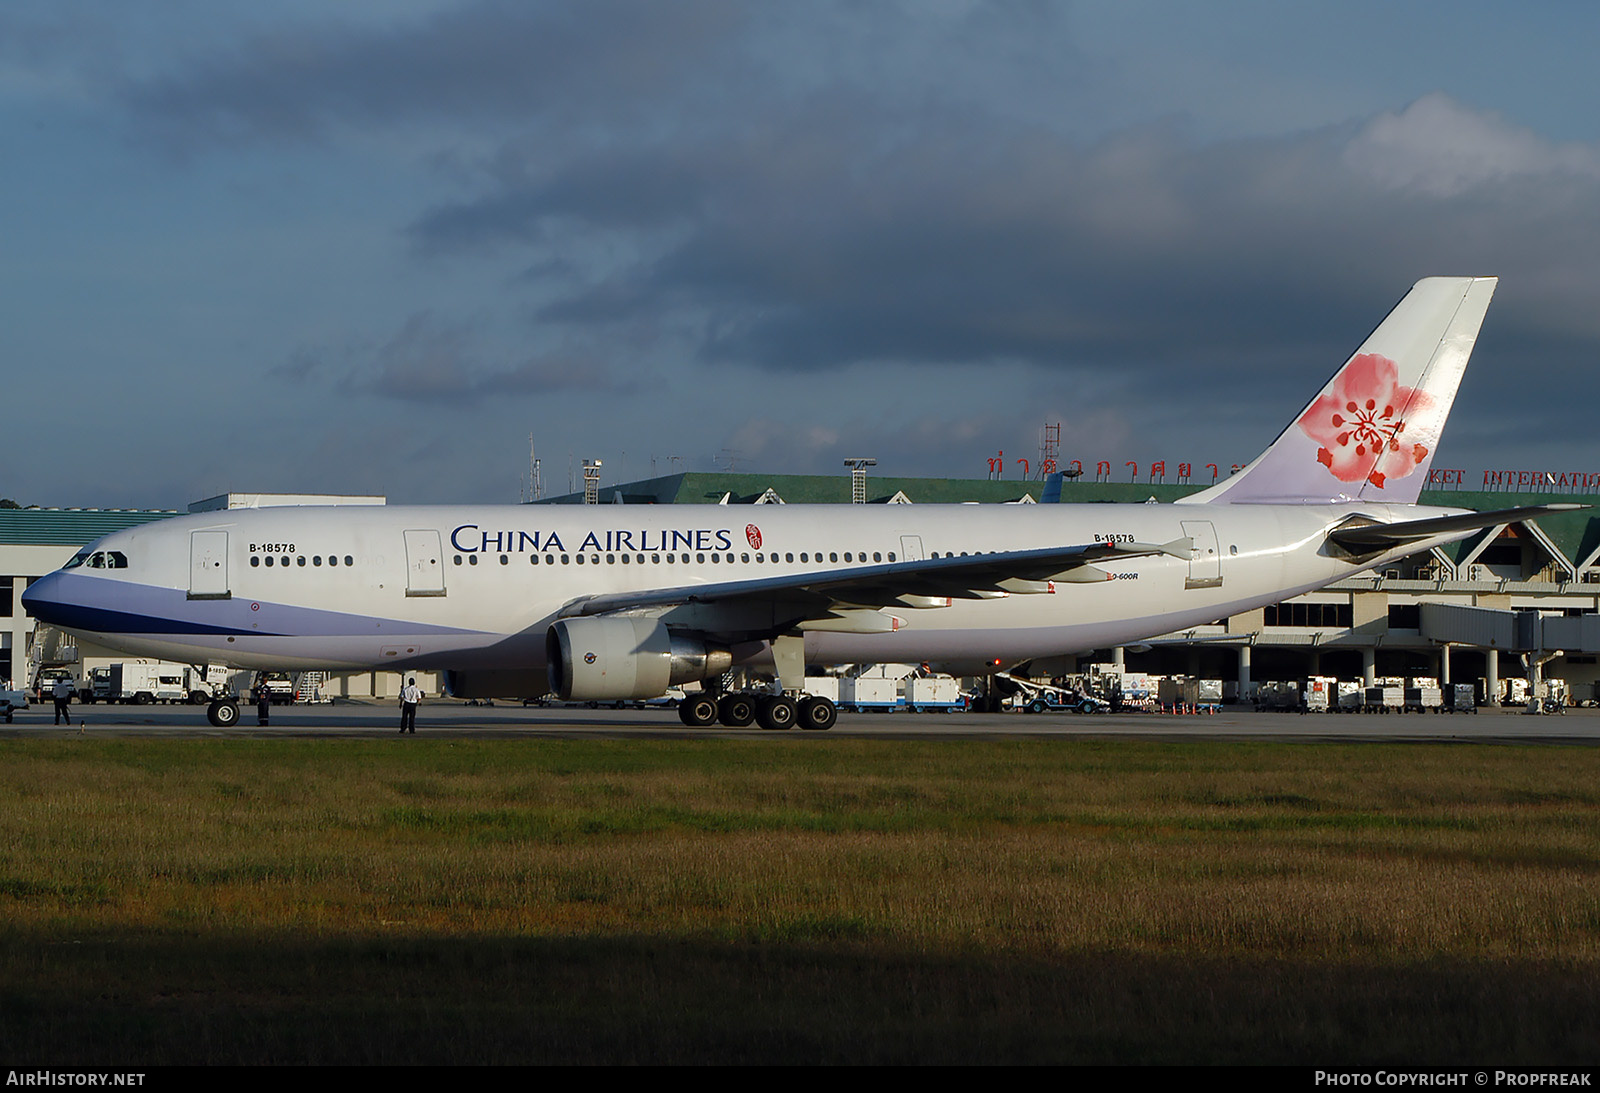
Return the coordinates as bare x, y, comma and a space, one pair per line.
43, 598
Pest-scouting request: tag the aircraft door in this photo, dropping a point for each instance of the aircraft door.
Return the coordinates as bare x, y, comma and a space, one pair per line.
208, 565
911, 548
1205, 564
424, 563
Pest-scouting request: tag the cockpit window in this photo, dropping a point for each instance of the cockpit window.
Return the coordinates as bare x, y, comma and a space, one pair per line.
100, 559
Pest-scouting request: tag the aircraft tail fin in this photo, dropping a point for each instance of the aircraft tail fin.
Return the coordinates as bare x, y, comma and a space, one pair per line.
1371, 433
1052, 489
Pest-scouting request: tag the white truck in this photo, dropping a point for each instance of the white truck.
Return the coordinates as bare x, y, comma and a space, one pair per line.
44, 684
12, 701
141, 682
204, 684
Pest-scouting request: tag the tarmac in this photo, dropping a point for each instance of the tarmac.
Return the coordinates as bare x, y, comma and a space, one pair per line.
445, 717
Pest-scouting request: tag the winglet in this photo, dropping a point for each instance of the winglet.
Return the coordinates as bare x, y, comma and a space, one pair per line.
1371, 433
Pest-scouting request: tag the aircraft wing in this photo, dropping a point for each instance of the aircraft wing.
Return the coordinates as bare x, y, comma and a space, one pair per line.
1370, 538
967, 576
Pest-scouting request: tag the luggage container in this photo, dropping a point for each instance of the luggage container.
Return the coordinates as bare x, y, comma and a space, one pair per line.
1352, 696
941, 694
1388, 694
1318, 695
1278, 694
1424, 699
863, 694
823, 687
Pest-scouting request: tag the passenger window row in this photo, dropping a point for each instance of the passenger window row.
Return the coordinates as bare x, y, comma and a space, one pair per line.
671, 559
285, 560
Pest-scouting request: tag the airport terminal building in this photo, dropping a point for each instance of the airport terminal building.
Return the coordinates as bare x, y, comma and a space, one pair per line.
1480, 609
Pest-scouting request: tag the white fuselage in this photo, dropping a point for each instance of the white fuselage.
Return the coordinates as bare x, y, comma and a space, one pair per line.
475, 587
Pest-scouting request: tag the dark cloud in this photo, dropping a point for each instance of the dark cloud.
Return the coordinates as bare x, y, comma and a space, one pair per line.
432, 361
475, 62
820, 243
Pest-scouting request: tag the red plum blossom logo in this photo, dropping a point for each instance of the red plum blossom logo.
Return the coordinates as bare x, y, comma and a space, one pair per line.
1360, 425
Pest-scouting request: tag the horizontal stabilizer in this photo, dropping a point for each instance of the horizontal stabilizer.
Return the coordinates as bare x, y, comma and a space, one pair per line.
1373, 538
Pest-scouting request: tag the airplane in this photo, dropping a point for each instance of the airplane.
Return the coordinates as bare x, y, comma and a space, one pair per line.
603, 603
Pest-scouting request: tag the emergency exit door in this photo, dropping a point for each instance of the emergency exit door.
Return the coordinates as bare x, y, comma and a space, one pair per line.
1205, 564
208, 565
424, 563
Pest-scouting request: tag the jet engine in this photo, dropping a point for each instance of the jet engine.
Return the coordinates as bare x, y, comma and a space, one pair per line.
626, 658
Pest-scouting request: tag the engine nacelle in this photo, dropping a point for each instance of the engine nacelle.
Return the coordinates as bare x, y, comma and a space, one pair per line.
625, 658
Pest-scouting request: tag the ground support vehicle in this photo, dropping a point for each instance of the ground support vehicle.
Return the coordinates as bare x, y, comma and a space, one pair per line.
96, 686
11, 702
206, 684
934, 694
1352, 696
1319, 694
44, 687
870, 693
1278, 694
1054, 697
1424, 696
140, 683
1053, 700
1387, 695
1187, 694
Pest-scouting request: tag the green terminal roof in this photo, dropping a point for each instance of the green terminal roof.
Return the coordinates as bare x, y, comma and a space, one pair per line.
69, 527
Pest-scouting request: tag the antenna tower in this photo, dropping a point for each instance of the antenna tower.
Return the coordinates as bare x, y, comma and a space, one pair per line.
858, 478
535, 479
1050, 449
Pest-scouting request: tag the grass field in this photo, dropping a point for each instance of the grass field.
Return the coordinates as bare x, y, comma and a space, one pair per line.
797, 899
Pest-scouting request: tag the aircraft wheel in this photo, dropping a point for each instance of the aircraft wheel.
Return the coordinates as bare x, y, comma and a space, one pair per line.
223, 714
736, 710
777, 712
698, 710
817, 712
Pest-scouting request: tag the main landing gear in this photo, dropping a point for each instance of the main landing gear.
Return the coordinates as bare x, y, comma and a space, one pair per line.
737, 709
223, 713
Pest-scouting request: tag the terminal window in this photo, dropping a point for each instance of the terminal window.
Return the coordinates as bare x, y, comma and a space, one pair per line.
1329, 615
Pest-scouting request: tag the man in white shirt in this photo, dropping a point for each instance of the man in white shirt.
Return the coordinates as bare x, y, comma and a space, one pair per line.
410, 696
63, 694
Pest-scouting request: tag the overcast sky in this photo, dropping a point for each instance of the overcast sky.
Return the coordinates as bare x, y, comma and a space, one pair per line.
370, 247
